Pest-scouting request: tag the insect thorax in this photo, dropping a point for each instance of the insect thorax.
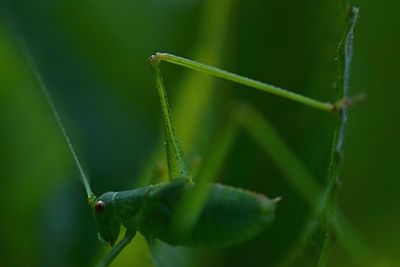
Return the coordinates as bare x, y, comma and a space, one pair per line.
127, 204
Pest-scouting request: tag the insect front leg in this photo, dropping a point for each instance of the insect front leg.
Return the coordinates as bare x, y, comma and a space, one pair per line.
106, 261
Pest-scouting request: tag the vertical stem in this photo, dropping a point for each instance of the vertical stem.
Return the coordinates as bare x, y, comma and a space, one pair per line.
326, 213
345, 52
315, 244
176, 162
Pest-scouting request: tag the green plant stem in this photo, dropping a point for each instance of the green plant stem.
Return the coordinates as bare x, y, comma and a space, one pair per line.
345, 51
297, 174
318, 236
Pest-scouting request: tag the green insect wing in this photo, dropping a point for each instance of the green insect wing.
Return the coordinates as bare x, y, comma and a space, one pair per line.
229, 216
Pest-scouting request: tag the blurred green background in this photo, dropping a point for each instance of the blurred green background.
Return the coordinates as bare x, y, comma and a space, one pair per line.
92, 57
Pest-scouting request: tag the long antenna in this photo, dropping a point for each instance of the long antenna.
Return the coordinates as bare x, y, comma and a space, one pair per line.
91, 197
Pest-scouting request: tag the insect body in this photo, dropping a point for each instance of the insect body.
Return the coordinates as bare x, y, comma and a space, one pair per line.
229, 215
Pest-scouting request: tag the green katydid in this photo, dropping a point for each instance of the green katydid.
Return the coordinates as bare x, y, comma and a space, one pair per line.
143, 209
229, 215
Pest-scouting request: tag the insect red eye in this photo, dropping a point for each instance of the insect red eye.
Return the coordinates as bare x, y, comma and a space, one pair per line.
99, 205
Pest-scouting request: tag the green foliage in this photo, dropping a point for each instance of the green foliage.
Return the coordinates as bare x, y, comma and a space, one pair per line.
92, 57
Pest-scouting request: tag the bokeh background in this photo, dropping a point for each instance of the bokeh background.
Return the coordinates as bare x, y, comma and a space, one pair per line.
92, 57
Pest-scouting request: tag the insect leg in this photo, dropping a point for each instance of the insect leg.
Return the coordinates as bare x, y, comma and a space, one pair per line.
106, 261
191, 64
209, 46
175, 159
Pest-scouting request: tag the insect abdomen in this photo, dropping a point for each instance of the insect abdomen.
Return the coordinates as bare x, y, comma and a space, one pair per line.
229, 216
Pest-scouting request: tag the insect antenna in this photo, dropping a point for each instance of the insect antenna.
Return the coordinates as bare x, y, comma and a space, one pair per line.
85, 180
35, 70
